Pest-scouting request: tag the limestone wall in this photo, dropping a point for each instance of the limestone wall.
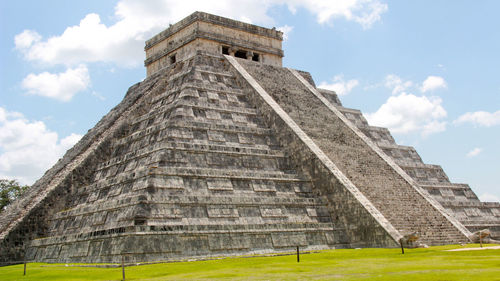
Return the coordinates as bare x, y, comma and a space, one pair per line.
201, 31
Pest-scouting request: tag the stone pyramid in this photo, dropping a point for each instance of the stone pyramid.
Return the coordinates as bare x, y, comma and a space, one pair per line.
222, 151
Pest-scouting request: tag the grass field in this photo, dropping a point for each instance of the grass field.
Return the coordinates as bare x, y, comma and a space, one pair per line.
371, 264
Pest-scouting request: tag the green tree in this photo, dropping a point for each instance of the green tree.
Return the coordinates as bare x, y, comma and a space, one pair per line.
9, 191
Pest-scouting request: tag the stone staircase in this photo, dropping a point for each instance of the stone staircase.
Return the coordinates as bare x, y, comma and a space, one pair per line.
400, 203
458, 199
195, 165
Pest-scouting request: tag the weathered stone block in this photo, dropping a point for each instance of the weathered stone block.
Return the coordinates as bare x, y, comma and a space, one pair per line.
222, 212
281, 240
219, 184
271, 212
263, 186
224, 242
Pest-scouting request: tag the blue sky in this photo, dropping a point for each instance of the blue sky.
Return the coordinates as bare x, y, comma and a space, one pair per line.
428, 70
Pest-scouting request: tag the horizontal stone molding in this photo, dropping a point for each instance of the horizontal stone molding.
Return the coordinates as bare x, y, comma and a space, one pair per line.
209, 18
230, 41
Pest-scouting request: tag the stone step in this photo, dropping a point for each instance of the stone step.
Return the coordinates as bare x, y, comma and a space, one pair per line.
208, 96
443, 200
182, 159
215, 87
209, 211
345, 110
288, 200
194, 80
186, 70
222, 127
214, 76
209, 101
203, 87
67, 227
196, 115
470, 204
188, 126
217, 116
441, 185
354, 115
482, 224
423, 166
213, 71
164, 243
187, 141
397, 146
234, 149
193, 172
381, 136
437, 236
193, 229
167, 153
219, 107
445, 191
402, 155
178, 185
227, 173
425, 172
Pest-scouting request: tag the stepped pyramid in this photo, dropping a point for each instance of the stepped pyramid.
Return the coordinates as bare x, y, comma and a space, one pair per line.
222, 151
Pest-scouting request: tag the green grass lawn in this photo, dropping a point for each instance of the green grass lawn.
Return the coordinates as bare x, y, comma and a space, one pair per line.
372, 264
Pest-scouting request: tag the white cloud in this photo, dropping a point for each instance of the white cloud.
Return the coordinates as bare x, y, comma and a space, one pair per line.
61, 86
339, 85
487, 197
480, 118
396, 84
364, 12
26, 39
407, 113
91, 41
28, 148
99, 96
286, 29
474, 152
433, 83
122, 42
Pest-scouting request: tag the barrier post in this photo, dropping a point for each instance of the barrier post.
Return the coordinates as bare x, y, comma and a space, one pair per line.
123, 268
298, 254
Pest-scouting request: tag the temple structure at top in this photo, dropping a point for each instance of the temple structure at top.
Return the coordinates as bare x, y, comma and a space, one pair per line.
213, 34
